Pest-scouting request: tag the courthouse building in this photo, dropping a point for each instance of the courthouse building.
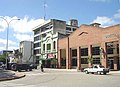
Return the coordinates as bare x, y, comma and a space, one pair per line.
90, 44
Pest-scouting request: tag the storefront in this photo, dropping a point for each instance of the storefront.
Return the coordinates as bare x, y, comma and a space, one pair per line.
90, 44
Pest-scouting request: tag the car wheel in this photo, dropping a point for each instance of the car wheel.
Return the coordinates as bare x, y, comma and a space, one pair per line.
104, 73
99, 73
86, 72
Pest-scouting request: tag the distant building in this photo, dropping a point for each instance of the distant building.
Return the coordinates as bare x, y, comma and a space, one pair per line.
46, 38
26, 48
5, 51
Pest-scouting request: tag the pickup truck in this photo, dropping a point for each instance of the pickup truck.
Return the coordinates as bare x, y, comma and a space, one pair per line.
97, 69
19, 67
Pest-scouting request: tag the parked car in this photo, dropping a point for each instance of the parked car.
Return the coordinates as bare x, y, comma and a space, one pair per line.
20, 67
97, 69
33, 66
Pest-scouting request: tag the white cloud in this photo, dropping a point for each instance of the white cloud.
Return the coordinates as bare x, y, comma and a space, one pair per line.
104, 21
108, 21
25, 25
22, 37
3, 43
21, 30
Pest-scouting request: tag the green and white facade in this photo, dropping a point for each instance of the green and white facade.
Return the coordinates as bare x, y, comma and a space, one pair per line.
46, 37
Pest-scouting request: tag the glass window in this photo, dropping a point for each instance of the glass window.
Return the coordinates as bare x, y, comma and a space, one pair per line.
68, 28
96, 60
95, 50
43, 47
74, 53
84, 61
84, 52
74, 62
36, 31
48, 46
36, 45
54, 45
37, 38
74, 29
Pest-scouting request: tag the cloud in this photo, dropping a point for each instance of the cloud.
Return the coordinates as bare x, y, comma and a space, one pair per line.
3, 43
21, 30
104, 21
22, 37
108, 21
25, 25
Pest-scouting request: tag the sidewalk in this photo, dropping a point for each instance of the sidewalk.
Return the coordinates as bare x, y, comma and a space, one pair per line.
75, 70
9, 75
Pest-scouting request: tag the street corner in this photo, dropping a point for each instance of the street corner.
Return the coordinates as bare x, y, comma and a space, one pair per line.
11, 75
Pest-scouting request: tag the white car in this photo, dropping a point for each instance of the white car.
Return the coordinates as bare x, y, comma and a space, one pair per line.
97, 69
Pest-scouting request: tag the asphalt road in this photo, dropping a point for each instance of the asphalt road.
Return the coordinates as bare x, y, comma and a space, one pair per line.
59, 78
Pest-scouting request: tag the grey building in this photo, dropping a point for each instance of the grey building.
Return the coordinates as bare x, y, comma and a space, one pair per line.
26, 48
46, 38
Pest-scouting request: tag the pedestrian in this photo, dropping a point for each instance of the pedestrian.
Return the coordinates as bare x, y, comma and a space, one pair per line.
42, 68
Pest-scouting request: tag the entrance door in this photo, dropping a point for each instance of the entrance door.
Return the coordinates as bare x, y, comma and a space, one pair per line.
111, 62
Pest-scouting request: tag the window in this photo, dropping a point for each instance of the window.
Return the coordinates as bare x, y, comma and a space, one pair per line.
37, 38
84, 60
36, 32
74, 29
96, 60
36, 45
48, 46
43, 47
84, 52
44, 35
95, 50
74, 62
74, 52
68, 28
37, 51
54, 43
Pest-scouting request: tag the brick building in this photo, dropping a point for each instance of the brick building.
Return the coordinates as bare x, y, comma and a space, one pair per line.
90, 44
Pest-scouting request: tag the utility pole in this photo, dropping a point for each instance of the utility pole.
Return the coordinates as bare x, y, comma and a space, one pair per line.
45, 5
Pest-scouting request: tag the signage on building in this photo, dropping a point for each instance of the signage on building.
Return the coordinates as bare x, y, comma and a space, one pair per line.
112, 35
50, 55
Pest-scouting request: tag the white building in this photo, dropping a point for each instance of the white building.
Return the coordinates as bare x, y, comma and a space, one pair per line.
46, 36
26, 48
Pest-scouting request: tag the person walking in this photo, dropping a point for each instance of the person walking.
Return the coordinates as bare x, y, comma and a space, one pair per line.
42, 70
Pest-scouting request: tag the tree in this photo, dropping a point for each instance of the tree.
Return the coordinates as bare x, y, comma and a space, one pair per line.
90, 60
3, 58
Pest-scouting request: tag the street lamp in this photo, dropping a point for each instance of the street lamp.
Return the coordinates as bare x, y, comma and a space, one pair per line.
8, 24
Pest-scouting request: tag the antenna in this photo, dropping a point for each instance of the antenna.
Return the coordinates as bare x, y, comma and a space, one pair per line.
45, 5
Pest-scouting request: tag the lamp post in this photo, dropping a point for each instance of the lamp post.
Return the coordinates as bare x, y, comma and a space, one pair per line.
8, 24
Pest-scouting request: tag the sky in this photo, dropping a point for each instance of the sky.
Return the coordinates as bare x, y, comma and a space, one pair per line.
31, 13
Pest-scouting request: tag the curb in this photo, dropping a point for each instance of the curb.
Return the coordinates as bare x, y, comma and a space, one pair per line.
16, 76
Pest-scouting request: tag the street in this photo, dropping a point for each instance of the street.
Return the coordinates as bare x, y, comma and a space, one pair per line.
63, 78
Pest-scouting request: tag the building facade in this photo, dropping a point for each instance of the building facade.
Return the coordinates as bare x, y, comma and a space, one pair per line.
26, 48
46, 38
90, 44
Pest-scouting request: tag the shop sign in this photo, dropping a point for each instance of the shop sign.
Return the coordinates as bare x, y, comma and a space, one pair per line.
112, 35
50, 55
